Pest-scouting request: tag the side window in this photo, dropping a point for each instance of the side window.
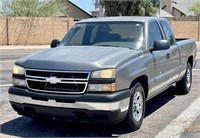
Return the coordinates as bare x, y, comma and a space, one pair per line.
168, 32
154, 33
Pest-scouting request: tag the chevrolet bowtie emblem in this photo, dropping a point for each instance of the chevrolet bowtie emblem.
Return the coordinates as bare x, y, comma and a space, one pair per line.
53, 80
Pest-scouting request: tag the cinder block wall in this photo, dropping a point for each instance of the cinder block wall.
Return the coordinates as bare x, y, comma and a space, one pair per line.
33, 30
41, 31
186, 29
3, 31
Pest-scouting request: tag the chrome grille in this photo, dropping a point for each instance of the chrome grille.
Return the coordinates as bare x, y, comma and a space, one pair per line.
55, 82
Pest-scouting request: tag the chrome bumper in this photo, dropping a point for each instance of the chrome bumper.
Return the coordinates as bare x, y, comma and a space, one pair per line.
110, 106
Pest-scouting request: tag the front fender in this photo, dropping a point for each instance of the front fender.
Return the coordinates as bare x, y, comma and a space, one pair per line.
125, 78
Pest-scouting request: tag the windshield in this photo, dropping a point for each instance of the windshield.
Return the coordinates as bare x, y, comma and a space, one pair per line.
113, 34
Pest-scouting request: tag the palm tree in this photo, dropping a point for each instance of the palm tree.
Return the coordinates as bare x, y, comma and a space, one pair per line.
29, 8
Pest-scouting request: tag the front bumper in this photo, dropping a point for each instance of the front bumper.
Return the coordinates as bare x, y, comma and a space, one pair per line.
103, 108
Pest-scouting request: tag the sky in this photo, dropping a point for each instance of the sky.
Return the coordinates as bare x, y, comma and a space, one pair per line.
86, 5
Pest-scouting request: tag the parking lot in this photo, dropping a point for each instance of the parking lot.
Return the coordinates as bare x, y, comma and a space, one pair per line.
167, 115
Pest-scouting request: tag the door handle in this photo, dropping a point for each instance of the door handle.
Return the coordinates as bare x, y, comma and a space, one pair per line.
168, 56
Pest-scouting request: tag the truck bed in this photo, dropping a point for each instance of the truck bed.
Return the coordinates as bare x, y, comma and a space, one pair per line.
181, 39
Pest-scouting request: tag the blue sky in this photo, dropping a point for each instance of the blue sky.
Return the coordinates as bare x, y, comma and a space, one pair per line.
86, 5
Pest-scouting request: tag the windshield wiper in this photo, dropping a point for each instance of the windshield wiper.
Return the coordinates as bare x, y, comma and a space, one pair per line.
113, 46
108, 45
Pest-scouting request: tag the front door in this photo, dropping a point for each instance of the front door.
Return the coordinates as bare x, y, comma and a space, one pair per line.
162, 65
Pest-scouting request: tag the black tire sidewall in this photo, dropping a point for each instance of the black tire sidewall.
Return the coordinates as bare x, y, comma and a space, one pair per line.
185, 77
182, 84
133, 124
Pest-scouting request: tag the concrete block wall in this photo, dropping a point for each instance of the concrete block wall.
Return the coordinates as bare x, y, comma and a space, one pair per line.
186, 29
3, 31
33, 31
41, 30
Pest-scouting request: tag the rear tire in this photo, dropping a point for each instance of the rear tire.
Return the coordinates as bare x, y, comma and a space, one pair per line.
136, 109
184, 85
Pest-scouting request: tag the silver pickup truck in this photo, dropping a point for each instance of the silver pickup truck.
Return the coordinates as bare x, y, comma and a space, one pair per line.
104, 70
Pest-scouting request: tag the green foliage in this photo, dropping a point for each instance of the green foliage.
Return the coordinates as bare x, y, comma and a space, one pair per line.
29, 8
195, 8
131, 7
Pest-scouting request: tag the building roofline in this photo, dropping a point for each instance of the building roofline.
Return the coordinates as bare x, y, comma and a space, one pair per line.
79, 8
179, 10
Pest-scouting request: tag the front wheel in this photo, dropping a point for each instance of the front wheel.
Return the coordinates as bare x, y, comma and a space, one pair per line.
136, 109
184, 85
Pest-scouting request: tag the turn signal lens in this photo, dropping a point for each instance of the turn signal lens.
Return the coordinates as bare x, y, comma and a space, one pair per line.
101, 87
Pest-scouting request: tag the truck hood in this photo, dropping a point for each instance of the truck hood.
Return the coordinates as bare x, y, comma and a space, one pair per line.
80, 58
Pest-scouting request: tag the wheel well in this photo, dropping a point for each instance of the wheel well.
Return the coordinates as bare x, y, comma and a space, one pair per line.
190, 60
144, 82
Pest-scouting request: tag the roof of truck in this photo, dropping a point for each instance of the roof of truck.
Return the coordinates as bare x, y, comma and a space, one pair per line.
123, 18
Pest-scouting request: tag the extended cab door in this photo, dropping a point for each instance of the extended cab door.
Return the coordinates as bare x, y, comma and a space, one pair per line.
174, 52
162, 60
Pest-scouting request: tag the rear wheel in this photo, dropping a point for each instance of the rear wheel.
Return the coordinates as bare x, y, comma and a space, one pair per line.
136, 109
184, 85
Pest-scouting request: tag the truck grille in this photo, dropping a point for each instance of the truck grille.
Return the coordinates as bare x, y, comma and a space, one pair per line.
57, 82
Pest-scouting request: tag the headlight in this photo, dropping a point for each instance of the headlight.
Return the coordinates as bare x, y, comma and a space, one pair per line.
18, 70
19, 76
101, 87
104, 74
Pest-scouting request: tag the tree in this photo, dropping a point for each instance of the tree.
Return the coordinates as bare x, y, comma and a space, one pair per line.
130, 7
195, 8
29, 8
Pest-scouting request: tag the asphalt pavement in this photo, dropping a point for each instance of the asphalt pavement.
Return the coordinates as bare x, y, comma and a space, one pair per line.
167, 115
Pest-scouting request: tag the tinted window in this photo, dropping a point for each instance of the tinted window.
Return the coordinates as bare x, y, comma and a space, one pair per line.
119, 34
168, 33
154, 33
78, 36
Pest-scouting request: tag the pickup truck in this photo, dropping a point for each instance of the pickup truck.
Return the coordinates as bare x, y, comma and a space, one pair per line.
103, 71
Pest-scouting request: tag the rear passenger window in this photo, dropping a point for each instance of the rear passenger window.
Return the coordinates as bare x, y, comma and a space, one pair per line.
168, 32
154, 33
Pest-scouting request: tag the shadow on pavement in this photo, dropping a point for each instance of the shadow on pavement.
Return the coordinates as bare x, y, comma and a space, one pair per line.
158, 101
25, 127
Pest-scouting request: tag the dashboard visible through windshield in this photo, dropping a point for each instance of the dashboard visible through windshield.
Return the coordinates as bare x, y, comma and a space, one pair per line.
111, 34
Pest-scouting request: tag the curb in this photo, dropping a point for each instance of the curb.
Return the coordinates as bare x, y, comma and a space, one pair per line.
198, 42
24, 47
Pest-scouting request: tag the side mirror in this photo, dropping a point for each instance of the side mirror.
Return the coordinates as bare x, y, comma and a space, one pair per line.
160, 45
55, 43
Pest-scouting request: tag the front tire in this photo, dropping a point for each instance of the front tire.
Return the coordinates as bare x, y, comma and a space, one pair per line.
184, 85
137, 107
